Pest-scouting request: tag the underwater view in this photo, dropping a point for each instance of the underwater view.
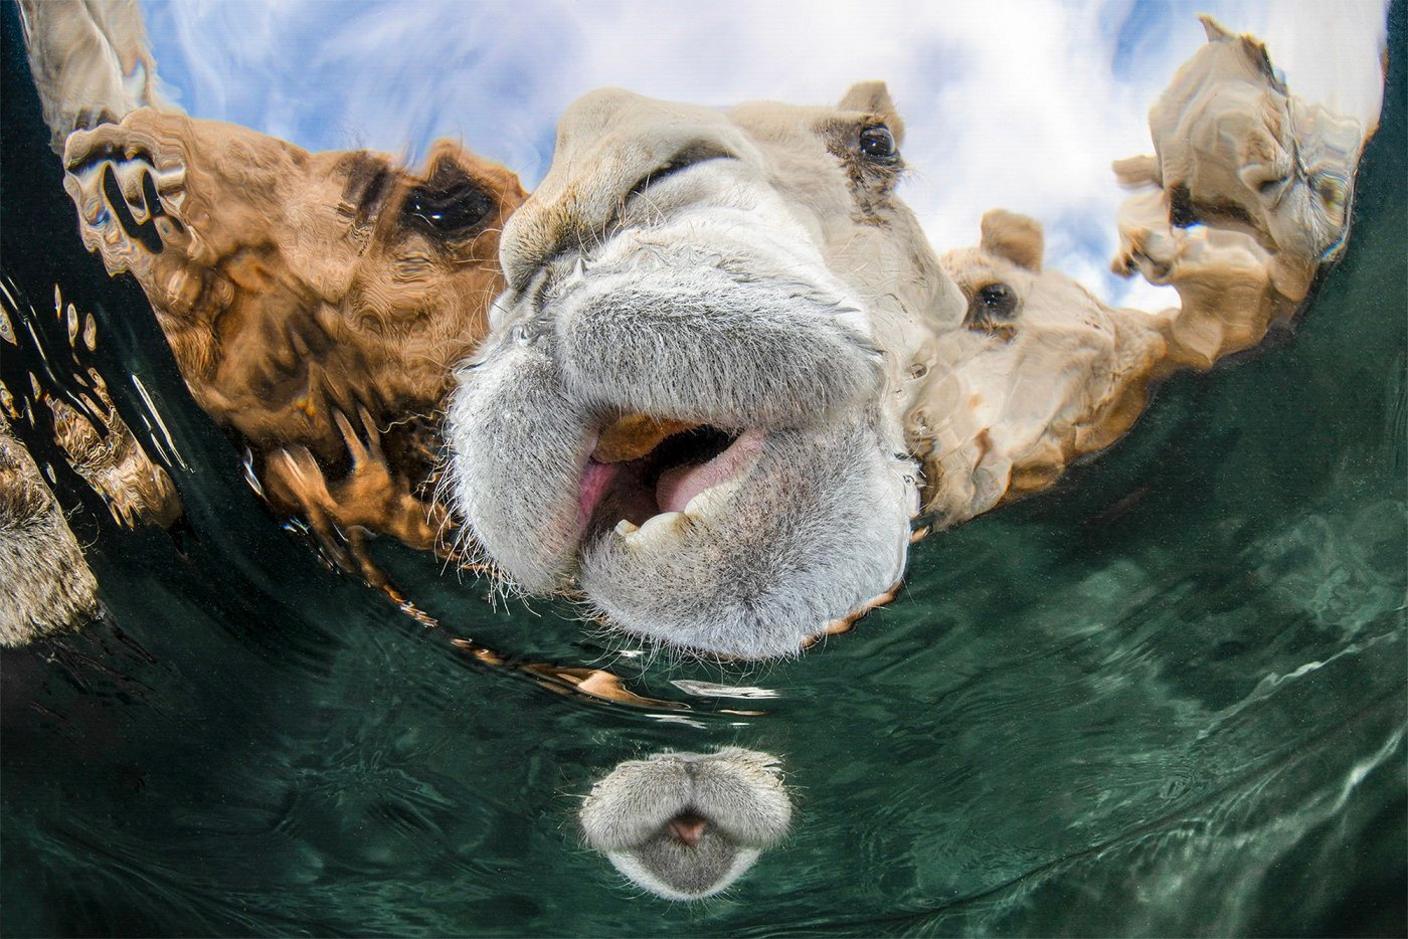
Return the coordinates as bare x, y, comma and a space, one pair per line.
638, 529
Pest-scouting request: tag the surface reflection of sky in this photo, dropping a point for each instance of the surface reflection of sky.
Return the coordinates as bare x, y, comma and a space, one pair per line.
1013, 104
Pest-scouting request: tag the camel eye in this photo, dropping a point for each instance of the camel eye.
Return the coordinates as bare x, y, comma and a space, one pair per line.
878, 144
1331, 191
446, 209
997, 301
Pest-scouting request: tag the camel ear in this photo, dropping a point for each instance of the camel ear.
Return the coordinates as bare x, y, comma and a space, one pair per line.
874, 98
1213, 28
1251, 48
1014, 237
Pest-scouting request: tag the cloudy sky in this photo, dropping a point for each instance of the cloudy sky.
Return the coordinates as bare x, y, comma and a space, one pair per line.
1020, 104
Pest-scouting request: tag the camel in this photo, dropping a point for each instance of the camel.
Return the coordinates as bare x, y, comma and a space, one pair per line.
1233, 147
314, 301
727, 361
748, 275
1040, 374
726, 372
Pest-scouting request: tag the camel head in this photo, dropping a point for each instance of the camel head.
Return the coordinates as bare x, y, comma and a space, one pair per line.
689, 407
1041, 373
1235, 148
293, 285
315, 302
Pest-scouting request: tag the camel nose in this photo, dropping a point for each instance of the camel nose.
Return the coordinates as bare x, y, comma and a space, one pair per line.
688, 828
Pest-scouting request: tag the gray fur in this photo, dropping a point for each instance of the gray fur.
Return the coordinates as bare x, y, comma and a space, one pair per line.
515, 424
739, 792
778, 355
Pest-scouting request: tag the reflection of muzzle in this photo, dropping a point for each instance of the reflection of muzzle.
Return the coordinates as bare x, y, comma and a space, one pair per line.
685, 825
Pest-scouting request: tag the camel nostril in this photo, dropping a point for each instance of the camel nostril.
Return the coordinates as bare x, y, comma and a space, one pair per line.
688, 828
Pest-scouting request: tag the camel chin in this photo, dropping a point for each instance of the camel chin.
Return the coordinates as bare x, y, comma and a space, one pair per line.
688, 407
685, 826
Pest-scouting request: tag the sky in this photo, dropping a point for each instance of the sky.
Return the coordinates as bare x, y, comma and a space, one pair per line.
1016, 104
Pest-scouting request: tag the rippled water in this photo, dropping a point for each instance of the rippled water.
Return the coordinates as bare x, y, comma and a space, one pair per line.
1168, 698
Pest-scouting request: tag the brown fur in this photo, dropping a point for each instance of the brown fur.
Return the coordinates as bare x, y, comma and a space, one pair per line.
304, 295
111, 461
47, 584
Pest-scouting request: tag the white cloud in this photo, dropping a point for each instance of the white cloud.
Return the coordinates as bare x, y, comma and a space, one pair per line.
1009, 103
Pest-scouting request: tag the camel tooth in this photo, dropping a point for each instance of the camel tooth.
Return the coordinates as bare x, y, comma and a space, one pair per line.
708, 501
626, 527
659, 527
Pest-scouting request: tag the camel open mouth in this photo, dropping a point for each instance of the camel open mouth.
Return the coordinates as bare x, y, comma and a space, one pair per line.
648, 475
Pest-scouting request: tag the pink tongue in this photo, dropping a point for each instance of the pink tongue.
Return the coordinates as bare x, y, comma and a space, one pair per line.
681, 483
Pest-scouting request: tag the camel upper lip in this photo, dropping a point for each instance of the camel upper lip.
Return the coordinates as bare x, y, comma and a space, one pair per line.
669, 470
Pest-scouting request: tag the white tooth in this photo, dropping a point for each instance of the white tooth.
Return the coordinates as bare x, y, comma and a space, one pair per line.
706, 501
662, 522
711, 499
626, 527
659, 526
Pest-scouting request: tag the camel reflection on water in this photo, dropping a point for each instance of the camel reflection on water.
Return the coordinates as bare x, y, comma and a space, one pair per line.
685, 826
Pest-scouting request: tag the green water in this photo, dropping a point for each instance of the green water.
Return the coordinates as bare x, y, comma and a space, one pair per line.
1169, 698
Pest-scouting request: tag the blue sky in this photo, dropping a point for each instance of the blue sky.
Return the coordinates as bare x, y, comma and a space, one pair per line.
1019, 104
